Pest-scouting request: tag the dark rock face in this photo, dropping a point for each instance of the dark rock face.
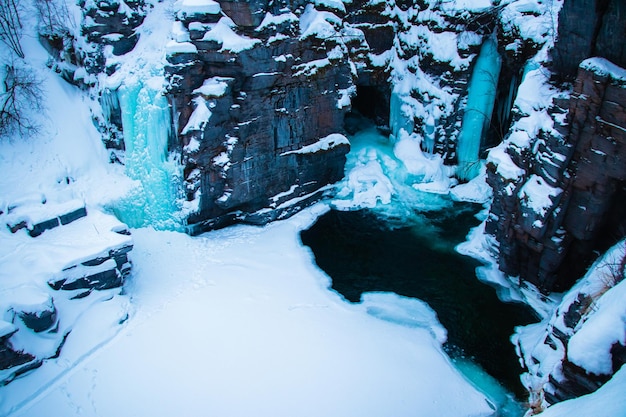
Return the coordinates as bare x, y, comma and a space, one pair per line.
590, 28
99, 273
42, 319
286, 74
584, 169
263, 110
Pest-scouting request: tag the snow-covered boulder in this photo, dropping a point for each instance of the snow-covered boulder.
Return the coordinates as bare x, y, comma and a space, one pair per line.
34, 307
86, 256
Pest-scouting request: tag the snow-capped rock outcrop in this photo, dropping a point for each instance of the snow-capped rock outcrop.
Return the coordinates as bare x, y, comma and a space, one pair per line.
582, 344
252, 102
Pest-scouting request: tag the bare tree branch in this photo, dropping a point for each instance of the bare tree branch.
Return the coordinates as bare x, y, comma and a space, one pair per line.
20, 100
11, 26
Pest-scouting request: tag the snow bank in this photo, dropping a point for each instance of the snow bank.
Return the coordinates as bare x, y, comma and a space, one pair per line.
604, 67
475, 191
189, 8
590, 347
318, 24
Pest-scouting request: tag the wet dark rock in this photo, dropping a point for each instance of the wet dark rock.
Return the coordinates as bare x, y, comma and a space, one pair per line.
572, 382
46, 216
13, 362
39, 314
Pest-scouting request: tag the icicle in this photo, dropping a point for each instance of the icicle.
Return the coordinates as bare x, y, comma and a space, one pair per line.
397, 118
146, 122
481, 97
429, 134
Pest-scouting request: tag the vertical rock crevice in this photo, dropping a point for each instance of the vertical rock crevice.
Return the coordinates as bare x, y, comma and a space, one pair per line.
589, 28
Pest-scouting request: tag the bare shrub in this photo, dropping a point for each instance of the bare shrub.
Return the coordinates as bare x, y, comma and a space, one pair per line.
21, 98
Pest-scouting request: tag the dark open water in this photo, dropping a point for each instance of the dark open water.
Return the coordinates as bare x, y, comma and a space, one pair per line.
363, 252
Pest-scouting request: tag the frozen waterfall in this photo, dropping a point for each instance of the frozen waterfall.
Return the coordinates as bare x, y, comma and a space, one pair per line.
146, 121
480, 103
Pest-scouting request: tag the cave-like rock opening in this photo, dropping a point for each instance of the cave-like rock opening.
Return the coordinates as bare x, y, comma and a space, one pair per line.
372, 103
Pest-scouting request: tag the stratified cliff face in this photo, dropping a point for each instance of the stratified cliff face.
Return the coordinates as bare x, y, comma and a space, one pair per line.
259, 107
261, 93
590, 28
567, 199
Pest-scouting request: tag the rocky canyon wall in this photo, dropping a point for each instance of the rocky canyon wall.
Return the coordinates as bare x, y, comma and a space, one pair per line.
261, 93
568, 201
565, 201
259, 108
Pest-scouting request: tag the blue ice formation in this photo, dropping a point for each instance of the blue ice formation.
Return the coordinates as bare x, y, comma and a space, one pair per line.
146, 122
480, 103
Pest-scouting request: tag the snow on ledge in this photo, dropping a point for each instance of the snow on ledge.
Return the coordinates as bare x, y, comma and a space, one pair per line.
505, 165
196, 7
213, 87
537, 195
331, 141
605, 68
174, 48
224, 34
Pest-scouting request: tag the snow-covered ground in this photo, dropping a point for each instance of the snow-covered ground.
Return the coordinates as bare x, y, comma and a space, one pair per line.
240, 322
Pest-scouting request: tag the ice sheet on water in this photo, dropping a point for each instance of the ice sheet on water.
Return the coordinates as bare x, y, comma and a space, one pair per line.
405, 311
